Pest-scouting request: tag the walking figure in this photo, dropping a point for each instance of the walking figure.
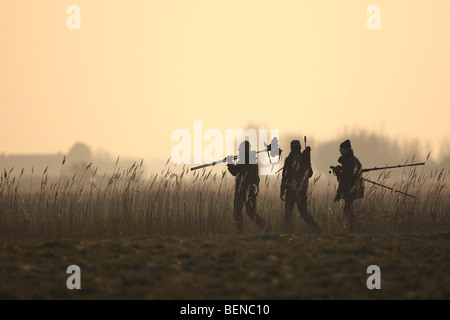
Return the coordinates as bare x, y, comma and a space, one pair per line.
294, 186
351, 184
246, 173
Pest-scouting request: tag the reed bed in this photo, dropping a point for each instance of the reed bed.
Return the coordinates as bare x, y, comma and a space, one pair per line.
180, 202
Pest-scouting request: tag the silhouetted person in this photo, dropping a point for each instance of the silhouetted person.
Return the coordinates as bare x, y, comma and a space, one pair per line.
246, 189
295, 181
351, 185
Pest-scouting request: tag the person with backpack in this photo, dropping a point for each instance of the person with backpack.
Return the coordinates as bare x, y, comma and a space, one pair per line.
351, 184
294, 186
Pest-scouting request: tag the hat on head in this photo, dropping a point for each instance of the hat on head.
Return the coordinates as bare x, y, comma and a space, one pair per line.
245, 144
295, 145
346, 145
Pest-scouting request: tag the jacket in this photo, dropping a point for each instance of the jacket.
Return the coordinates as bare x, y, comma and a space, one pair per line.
351, 185
297, 171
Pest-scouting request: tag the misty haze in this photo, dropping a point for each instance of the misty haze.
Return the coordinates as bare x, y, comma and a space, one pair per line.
97, 98
373, 151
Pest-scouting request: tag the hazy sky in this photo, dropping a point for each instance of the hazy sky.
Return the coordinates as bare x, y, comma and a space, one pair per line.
137, 70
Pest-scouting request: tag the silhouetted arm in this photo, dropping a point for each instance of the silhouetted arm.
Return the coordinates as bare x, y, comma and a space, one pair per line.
232, 168
284, 173
346, 177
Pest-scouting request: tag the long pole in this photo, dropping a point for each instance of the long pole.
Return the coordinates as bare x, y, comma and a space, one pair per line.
220, 161
382, 185
392, 167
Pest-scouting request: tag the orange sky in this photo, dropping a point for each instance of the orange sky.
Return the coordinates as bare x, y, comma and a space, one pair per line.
137, 70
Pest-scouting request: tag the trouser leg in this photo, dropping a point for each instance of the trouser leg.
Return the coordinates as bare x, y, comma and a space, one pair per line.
250, 205
302, 204
237, 217
289, 221
348, 211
